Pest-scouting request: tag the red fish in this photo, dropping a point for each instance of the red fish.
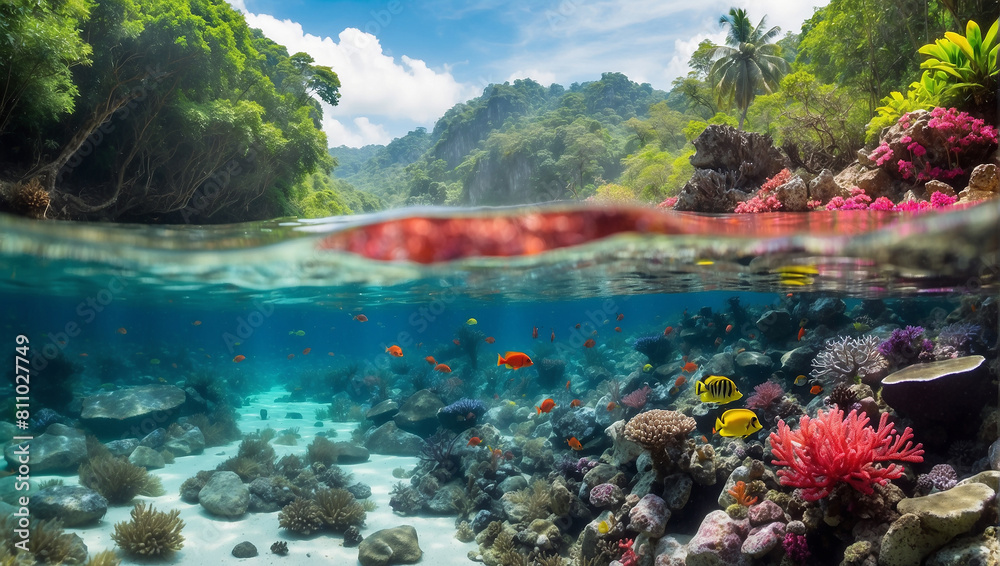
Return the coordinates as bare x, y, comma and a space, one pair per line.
360, 318
788, 296
618, 329
306, 351
589, 343
718, 342
547, 405
534, 332
816, 389
553, 337
395, 350
431, 360
752, 336
612, 406
475, 441
196, 323
620, 316
729, 328
83, 355
290, 356
567, 384
690, 367
514, 360
668, 330
329, 353
577, 325
575, 403
490, 340
802, 332
443, 368
122, 330
574, 443
239, 358
456, 341
681, 380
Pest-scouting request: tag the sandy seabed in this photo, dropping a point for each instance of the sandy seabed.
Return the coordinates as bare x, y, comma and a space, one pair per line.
209, 540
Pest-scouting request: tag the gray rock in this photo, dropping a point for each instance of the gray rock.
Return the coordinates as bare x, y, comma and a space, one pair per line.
944, 391
718, 542
390, 440
225, 495
823, 187
147, 458
623, 450
650, 516
132, 402
763, 540
49, 452
348, 453
981, 550
448, 500
7, 432
775, 324
719, 364
793, 195
419, 413
581, 423
191, 442
73, 504
753, 364
677, 490
382, 412
513, 483
360, 490
825, 310
877, 183
398, 545
123, 447
245, 549
765, 512
798, 361
154, 439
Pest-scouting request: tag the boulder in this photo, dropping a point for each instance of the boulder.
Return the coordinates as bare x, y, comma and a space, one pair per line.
75, 505
718, 542
793, 195
935, 186
191, 441
650, 516
825, 310
49, 451
983, 184
823, 187
877, 183
419, 413
397, 545
245, 549
382, 412
775, 324
225, 495
763, 539
348, 453
139, 401
942, 391
388, 439
753, 364
147, 458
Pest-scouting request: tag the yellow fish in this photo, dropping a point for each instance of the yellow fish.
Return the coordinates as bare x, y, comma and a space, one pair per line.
800, 380
603, 527
737, 422
472, 322
705, 262
861, 327
717, 389
798, 270
297, 332
647, 368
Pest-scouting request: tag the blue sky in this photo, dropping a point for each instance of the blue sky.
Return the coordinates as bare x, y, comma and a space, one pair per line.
403, 63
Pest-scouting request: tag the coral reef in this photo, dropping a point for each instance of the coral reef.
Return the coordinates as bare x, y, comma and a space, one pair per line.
301, 516
339, 509
117, 479
831, 449
322, 451
637, 399
150, 532
405, 499
765, 395
851, 359
906, 346
942, 477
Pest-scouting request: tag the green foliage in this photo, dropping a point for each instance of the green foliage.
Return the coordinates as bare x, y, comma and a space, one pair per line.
748, 63
969, 63
150, 533
117, 479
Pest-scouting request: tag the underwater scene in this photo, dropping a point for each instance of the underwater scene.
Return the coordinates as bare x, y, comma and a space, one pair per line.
540, 385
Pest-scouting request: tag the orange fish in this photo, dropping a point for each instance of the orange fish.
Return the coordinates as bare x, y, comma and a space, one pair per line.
816, 389
431, 360
577, 325
690, 367
395, 350
729, 328
589, 343
620, 316
475, 441
490, 340
802, 332
239, 358
83, 355
514, 360
122, 330
681, 380
752, 336
329, 353
443, 368
567, 384
788, 296
612, 406
618, 329
704, 439
534, 332
668, 330
290, 356
196, 323
553, 337
456, 341
306, 351
174, 365
547, 405
575, 403
574, 443
360, 318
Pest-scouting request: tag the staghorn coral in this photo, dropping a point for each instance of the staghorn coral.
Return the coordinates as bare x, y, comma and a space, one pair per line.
247, 468
30, 199
464, 532
405, 500
535, 500
339, 509
849, 360
117, 479
301, 516
150, 533
257, 449
831, 449
739, 492
48, 544
153, 487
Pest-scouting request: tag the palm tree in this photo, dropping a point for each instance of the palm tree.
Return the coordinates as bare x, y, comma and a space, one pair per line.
747, 63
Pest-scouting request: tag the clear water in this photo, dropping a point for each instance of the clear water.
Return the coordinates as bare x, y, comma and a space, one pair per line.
137, 305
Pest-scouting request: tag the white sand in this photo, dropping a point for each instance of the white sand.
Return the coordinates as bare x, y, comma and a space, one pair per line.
210, 540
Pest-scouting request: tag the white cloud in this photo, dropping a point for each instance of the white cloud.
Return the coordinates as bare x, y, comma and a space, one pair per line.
544, 78
375, 87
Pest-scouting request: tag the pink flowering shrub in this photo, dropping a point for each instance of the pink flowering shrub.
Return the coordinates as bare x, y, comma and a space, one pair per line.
956, 132
830, 449
857, 201
860, 201
763, 201
780, 178
669, 202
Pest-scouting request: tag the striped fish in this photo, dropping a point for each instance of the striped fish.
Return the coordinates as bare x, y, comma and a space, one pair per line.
717, 389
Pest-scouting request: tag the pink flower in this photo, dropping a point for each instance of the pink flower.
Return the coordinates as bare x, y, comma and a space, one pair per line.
779, 178
831, 449
670, 202
917, 149
905, 139
941, 200
881, 203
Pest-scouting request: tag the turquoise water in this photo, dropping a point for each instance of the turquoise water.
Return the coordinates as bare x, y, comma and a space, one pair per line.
267, 310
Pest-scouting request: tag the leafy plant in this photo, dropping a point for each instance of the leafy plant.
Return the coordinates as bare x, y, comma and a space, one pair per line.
969, 62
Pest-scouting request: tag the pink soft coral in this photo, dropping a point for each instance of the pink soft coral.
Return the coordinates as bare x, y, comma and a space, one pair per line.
830, 449
764, 395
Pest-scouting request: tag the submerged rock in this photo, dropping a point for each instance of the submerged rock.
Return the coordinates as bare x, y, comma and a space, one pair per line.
943, 391
649, 516
245, 549
419, 413
398, 545
382, 412
59, 448
390, 440
718, 542
132, 402
74, 505
225, 495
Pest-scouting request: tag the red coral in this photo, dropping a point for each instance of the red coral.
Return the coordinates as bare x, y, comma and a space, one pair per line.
830, 449
764, 395
637, 399
629, 557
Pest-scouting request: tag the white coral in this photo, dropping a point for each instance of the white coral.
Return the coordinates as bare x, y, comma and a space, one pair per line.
843, 360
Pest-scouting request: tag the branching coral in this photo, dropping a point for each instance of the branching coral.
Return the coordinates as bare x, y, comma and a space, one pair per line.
906, 346
301, 516
48, 544
849, 359
104, 558
534, 500
405, 499
323, 451
831, 449
739, 492
637, 399
150, 532
339, 509
117, 479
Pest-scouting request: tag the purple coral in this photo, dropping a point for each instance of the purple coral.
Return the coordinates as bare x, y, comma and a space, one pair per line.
905, 346
606, 495
575, 468
956, 340
637, 399
796, 547
941, 477
656, 347
764, 395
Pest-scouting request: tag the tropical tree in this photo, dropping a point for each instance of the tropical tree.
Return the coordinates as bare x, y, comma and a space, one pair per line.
748, 63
